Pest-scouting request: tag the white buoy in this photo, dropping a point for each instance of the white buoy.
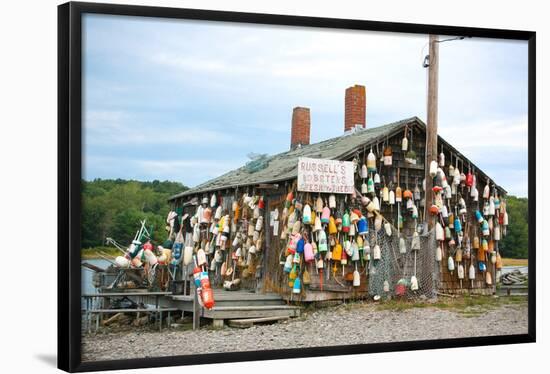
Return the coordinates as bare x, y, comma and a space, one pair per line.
451, 264
402, 246
187, 255
201, 257
460, 271
356, 278
122, 262
472, 273
433, 169
385, 194
438, 254
218, 213
387, 228
439, 233
414, 283
486, 191
376, 254
496, 233
332, 201
386, 286
364, 172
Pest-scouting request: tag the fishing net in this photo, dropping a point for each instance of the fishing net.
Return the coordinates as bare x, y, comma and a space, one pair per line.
390, 276
257, 163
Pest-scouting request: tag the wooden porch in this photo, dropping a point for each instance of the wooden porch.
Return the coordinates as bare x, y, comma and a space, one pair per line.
234, 305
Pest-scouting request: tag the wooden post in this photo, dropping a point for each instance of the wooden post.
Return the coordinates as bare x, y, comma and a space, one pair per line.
431, 129
196, 309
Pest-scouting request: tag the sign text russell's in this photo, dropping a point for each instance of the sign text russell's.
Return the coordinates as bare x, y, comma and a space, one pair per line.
327, 176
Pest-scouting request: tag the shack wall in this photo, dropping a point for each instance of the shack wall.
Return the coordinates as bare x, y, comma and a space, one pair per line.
267, 273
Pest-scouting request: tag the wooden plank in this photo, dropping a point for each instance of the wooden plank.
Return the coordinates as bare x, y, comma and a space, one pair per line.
93, 267
112, 319
254, 313
234, 296
514, 287
120, 294
249, 322
328, 295
132, 310
330, 287
260, 307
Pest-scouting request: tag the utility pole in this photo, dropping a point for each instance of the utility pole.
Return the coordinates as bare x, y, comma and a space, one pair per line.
431, 129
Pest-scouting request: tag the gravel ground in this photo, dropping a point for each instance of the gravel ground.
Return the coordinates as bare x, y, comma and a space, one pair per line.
358, 323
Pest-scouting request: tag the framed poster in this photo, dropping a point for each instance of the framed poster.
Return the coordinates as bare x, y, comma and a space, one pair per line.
222, 173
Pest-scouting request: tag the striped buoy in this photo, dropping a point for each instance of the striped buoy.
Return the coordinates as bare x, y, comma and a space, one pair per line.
371, 162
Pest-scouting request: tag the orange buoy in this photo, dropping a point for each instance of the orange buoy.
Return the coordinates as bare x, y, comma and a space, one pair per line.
208, 298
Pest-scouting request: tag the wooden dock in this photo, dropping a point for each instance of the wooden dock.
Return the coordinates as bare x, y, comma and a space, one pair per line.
99, 304
513, 290
244, 306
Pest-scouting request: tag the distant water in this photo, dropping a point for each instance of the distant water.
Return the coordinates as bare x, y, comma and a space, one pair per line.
509, 269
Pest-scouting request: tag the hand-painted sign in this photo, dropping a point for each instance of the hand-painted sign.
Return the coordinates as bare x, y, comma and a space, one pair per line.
328, 176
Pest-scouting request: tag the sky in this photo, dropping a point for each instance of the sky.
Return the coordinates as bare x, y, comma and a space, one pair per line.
188, 100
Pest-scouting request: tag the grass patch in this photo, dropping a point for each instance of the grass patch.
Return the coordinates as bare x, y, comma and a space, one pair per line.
93, 253
468, 306
401, 305
514, 262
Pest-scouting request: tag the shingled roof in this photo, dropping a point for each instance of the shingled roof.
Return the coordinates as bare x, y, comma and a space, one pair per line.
283, 166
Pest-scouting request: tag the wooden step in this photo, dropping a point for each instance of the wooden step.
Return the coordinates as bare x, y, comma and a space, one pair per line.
237, 298
220, 295
256, 311
255, 307
235, 302
249, 322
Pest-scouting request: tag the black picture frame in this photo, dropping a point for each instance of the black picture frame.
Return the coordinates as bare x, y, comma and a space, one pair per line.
69, 179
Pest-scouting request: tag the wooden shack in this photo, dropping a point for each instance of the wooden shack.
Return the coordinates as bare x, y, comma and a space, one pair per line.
267, 187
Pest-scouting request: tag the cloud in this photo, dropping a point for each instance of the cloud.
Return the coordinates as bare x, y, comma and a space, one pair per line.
481, 135
206, 89
118, 128
497, 146
189, 171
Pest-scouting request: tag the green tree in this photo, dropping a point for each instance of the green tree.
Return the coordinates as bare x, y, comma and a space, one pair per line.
114, 208
515, 243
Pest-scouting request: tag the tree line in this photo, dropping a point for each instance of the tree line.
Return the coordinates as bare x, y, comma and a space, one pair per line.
515, 243
114, 208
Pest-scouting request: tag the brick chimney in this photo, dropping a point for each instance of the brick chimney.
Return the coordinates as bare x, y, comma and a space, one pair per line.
301, 124
355, 107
